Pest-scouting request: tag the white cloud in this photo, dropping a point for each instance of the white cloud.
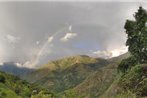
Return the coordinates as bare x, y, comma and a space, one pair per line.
68, 36
1, 63
50, 39
12, 39
117, 52
18, 64
37, 42
110, 53
29, 64
103, 54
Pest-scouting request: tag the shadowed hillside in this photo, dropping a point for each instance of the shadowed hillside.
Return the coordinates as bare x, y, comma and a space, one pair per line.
99, 81
12, 68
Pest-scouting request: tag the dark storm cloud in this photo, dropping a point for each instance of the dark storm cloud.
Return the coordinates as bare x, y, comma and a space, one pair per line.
97, 25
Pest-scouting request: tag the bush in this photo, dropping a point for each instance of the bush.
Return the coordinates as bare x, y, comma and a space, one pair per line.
43, 94
71, 94
135, 80
126, 94
127, 64
2, 78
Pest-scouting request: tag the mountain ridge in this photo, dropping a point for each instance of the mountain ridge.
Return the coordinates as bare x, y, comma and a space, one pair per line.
12, 68
75, 72
65, 73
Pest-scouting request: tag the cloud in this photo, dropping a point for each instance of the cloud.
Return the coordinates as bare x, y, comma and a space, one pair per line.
12, 39
102, 54
37, 42
50, 39
35, 21
1, 63
117, 52
28, 64
18, 64
110, 53
68, 36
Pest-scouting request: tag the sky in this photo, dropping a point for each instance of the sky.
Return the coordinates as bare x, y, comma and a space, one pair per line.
34, 33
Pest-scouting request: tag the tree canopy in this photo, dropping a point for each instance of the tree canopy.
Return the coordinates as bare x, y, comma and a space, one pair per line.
137, 35
136, 31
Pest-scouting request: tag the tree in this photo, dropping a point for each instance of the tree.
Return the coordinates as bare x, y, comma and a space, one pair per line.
2, 78
43, 94
127, 64
136, 31
71, 94
137, 35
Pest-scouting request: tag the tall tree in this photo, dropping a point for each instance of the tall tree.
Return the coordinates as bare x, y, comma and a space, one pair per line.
137, 35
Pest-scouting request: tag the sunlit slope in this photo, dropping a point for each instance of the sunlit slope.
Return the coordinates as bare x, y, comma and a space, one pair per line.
66, 73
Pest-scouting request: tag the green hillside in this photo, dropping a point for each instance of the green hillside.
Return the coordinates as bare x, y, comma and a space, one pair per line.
66, 73
71, 77
131, 80
13, 87
82, 75
100, 80
97, 82
133, 84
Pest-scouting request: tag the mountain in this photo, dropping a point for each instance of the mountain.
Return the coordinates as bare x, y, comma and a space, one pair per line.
99, 81
66, 73
13, 68
81, 74
78, 77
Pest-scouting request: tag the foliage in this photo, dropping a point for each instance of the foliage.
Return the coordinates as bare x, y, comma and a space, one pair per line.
137, 35
135, 80
43, 94
66, 73
126, 94
137, 40
2, 78
71, 94
13, 87
127, 63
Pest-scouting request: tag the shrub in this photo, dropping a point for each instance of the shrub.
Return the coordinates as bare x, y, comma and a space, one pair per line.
2, 78
127, 64
135, 80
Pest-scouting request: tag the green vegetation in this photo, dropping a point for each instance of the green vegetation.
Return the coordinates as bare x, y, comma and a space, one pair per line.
13, 87
131, 80
137, 35
71, 94
134, 68
66, 73
137, 40
127, 64
83, 76
135, 80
